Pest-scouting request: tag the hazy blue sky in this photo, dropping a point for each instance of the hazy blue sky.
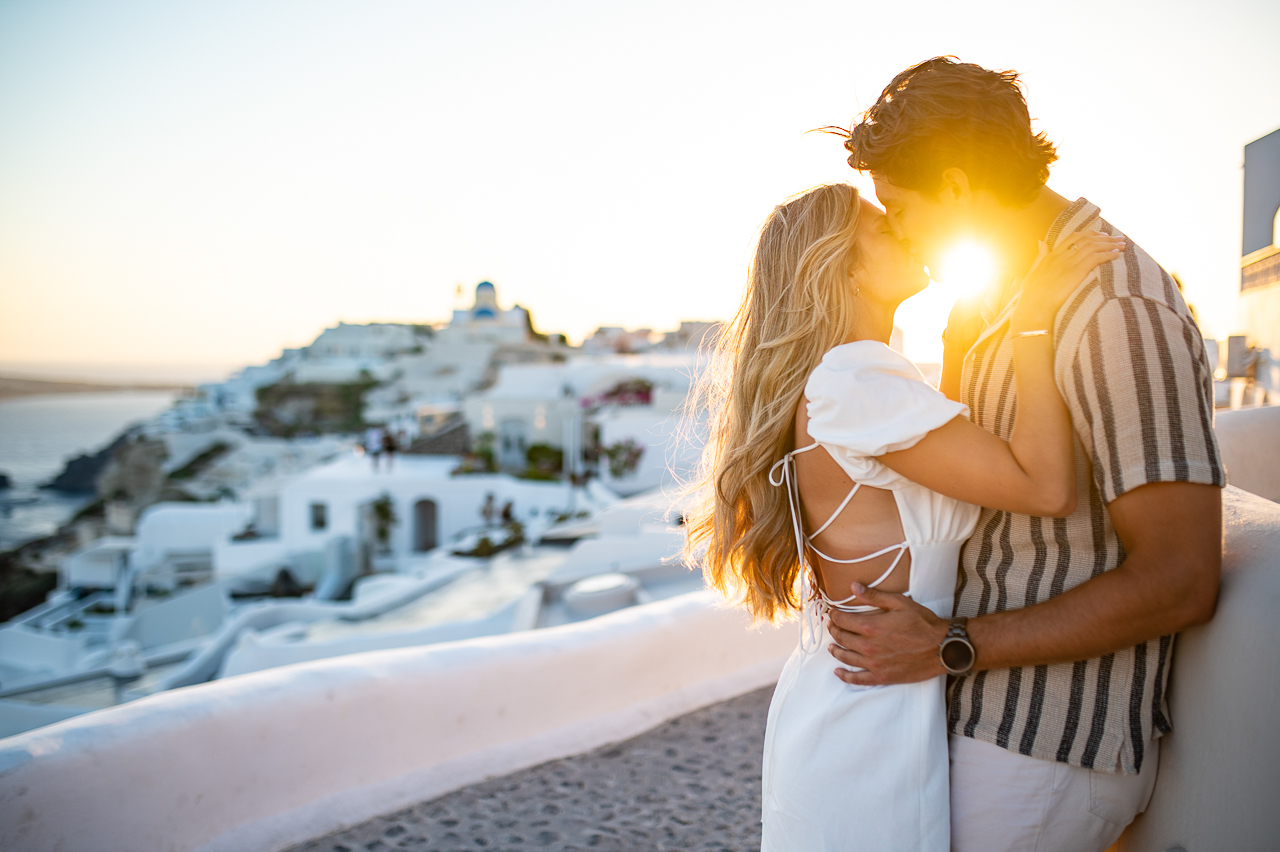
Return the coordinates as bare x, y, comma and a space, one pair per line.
207, 182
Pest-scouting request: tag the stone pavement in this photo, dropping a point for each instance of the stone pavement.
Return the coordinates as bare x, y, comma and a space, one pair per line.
691, 783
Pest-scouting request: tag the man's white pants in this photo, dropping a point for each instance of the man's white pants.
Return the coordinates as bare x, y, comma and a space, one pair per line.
1002, 801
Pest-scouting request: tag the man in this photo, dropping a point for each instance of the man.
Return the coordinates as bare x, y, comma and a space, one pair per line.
1063, 635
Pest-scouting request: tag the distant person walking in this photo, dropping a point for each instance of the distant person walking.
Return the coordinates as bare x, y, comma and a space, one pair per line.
389, 447
373, 444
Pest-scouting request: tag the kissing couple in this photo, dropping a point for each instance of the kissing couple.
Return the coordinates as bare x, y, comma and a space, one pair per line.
988, 574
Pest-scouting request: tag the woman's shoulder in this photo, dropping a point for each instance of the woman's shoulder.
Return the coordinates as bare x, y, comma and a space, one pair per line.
850, 364
871, 400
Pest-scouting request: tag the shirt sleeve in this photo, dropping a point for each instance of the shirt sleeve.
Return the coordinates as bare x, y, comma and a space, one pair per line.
870, 400
1141, 397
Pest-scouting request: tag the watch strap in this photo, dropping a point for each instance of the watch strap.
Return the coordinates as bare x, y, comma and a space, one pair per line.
959, 629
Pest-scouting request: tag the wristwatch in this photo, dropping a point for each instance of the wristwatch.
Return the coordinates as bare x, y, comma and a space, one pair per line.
956, 651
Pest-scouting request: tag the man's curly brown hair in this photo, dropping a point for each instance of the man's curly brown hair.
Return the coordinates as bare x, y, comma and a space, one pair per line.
944, 113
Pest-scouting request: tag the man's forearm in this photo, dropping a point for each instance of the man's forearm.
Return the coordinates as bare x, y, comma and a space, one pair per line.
1172, 534
1167, 583
1112, 611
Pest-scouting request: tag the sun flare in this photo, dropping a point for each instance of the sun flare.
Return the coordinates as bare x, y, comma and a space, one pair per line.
968, 268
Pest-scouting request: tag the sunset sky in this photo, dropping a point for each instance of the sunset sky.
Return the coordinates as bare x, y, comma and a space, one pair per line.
196, 185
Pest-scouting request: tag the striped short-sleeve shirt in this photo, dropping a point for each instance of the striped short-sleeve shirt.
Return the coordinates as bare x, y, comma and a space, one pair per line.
1131, 365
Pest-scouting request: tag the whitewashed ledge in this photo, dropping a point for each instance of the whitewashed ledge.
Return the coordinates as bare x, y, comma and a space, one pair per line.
1219, 775
267, 760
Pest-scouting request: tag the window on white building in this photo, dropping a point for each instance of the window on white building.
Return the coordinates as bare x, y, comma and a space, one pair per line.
319, 516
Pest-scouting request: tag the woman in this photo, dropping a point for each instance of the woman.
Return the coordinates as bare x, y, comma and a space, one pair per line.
831, 462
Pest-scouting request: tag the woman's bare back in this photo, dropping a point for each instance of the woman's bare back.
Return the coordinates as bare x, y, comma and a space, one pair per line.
869, 523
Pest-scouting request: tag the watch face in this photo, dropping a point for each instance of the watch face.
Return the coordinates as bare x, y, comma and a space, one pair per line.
957, 655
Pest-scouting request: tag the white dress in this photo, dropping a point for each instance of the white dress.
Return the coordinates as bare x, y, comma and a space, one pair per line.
865, 768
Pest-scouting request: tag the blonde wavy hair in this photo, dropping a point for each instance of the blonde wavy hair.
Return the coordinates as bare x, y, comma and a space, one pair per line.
796, 306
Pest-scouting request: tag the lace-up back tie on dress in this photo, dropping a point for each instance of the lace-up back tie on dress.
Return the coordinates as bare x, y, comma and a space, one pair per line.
783, 473
848, 767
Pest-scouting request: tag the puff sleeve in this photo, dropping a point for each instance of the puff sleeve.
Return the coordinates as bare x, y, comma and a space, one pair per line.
868, 400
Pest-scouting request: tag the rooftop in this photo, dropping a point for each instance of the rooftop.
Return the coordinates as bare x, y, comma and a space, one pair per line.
404, 467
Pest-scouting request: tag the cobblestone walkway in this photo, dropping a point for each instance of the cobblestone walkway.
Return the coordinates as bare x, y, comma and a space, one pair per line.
691, 783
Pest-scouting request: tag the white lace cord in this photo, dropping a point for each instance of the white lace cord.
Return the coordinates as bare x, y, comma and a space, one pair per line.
832, 519
812, 608
842, 604
814, 603
812, 616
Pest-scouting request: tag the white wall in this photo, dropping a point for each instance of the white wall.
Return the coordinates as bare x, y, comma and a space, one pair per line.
23, 648
486, 414
96, 565
1259, 315
236, 558
1250, 442
273, 758
375, 340
183, 527
187, 616
1219, 781
672, 445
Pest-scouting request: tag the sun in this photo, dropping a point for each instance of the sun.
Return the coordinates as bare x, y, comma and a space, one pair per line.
968, 269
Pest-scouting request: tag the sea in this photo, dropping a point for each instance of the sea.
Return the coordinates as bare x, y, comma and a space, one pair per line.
39, 433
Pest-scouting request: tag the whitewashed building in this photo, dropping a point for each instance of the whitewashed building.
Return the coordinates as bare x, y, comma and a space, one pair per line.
486, 322
589, 402
374, 340
431, 508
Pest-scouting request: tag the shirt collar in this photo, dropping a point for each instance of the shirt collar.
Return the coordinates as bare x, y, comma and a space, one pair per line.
1080, 215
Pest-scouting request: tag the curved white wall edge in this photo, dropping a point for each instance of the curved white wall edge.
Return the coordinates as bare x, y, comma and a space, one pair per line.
1250, 442
352, 807
267, 759
1219, 776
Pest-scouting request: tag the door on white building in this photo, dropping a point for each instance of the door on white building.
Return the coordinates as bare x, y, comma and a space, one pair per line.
366, 538
512, 444
425, 531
